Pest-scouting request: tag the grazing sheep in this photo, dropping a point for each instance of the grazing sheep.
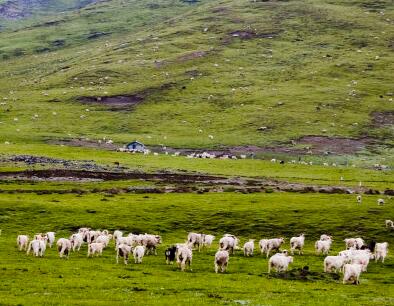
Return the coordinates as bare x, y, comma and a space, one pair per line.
359, 199
38, 246
117, 235
297, 243
22, 241
76, 241
274, 245
104, 239
184, 257
381, 250
335, 263
380, 202
280, 262
249, 248
228, 243
355, 243
170, 254
207, 240
325, 237
221, 261
123, 250
95, 248
138, 253
151, 242
51, 238
263, 243
64, 247
351, 273
323, 246
195, 240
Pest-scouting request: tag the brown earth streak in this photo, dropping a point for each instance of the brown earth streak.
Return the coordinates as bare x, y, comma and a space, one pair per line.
127, 101
180, 182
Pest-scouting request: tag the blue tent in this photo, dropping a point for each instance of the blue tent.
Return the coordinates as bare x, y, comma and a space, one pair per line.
135, 146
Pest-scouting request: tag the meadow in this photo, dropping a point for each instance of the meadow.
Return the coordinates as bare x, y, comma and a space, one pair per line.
100, 281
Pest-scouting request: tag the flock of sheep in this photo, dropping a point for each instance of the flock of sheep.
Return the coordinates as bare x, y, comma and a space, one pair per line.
352, 261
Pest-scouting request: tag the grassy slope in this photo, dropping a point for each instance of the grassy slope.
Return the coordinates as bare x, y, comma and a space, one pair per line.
250, 77
100, 281
247, 168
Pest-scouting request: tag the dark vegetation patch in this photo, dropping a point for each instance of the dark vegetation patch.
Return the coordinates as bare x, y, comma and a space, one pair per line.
167, 182
305, 274
127, 101
249, 34
95, 35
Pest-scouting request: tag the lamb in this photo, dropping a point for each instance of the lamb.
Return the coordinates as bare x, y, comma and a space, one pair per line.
280, 262
22, 241
95, 248
381, 250
274, 244
123, 250
221, 261
76, 241
359, 199
184, 257
51, 238
351, 273
249, 248
38, 246
380, 202
297, 243
207, 240
64, 247
323, 246
335, 263
138, 253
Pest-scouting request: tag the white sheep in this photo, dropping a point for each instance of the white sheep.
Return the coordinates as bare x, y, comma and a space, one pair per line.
249, 248
297, 243
280, 262
221, 261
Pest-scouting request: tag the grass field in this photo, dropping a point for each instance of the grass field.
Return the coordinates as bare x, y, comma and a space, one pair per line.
309, 81
100, 281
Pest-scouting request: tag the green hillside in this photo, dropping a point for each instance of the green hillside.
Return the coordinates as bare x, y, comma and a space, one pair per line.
247, 73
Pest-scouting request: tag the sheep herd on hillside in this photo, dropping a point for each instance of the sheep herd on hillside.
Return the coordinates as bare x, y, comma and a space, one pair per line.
351, 262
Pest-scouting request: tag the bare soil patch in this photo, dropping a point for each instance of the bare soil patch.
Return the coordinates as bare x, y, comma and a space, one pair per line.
381, 119
127, 101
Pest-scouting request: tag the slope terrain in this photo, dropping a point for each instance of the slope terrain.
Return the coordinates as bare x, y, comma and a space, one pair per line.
254, 76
